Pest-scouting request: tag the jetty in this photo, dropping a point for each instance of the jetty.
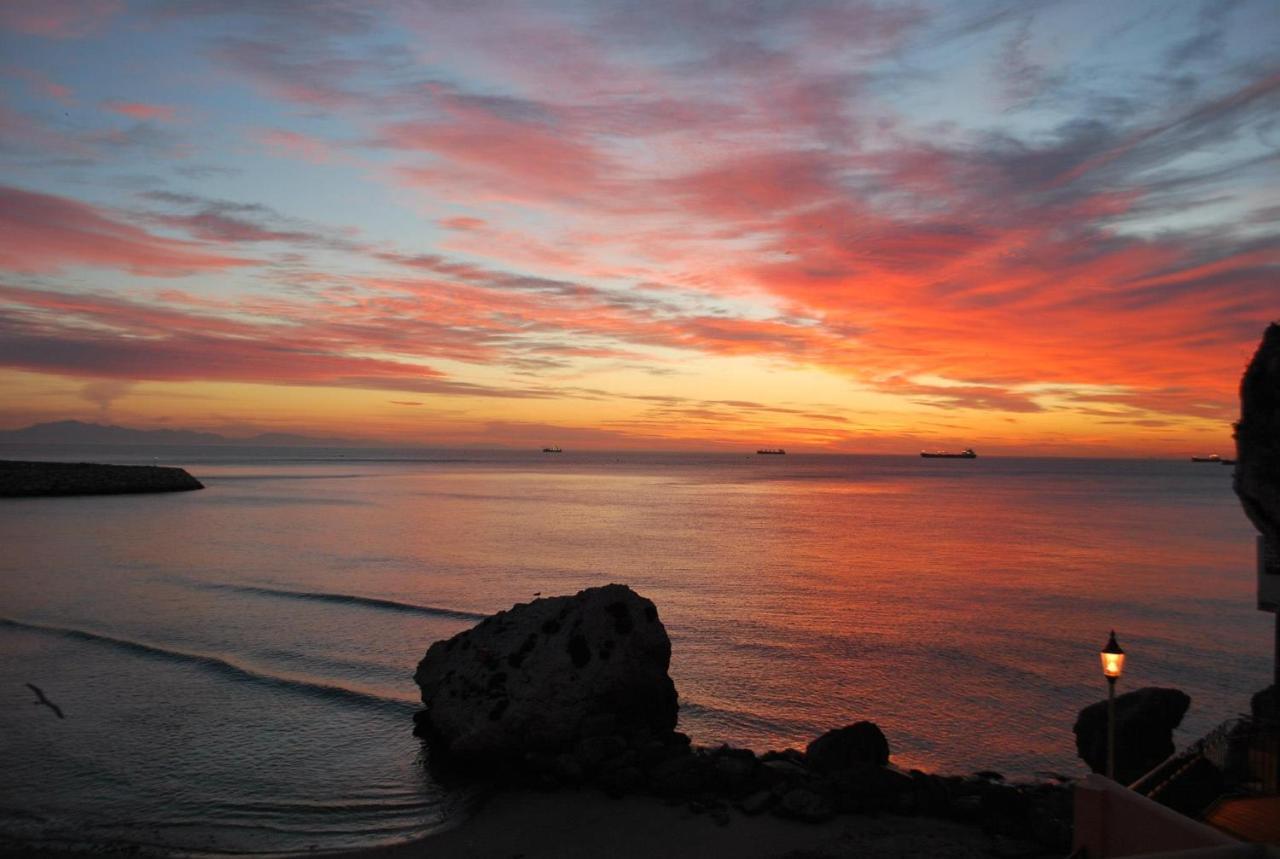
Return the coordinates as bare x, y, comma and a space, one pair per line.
21, 478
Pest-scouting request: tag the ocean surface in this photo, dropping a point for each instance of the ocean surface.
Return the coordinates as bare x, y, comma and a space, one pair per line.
236, 664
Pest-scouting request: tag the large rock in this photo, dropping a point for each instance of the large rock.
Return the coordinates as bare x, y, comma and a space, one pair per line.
859, 744
1145, 720
1257, 476
544, 675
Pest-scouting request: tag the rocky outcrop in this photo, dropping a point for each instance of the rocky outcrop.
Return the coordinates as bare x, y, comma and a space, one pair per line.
1257, 475
859, 744
560, 675
574, 692
1145, 720
21, 478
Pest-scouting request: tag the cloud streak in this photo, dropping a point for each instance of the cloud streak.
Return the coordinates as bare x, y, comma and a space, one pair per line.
933, 204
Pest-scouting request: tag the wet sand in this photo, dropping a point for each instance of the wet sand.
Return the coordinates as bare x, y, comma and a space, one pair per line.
588, 824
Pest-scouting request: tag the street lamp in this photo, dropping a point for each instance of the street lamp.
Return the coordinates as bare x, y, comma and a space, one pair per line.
1112, 667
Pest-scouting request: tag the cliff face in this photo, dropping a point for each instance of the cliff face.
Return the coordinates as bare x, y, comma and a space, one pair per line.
1257, 478
28, 479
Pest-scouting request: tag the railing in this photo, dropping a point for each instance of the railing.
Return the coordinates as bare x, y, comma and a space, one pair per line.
1238, 757
1111, 820
1264, 760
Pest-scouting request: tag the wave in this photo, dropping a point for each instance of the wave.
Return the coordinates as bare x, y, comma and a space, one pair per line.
347, 599
219, 665
737, 720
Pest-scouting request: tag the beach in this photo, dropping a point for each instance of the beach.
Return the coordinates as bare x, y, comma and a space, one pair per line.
588, 824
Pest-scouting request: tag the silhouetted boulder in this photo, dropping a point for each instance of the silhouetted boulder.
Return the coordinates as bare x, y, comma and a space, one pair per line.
1145, 720
27, 479
845, 748
570, 674
1264, 705
1257, 476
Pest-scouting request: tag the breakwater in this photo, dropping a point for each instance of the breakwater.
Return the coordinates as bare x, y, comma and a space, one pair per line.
28, 479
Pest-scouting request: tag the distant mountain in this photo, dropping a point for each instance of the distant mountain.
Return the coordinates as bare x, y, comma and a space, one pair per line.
80, 432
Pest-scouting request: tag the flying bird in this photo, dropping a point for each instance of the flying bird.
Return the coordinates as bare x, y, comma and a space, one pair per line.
57, 711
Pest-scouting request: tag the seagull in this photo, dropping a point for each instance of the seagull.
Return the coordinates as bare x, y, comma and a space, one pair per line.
57, 711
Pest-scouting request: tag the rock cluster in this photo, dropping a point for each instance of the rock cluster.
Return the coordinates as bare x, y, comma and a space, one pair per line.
573, 691
22, 478
790, 784
1145, 720
1257, 475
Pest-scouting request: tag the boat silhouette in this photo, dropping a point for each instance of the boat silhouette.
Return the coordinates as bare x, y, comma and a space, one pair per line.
967, 453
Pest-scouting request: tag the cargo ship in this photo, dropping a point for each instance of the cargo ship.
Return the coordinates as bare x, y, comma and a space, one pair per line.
967, 453
776, 451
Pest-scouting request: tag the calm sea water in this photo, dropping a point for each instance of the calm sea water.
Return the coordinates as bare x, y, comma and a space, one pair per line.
235, 664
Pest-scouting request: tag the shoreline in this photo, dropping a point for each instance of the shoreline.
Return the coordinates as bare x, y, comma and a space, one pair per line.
584, 823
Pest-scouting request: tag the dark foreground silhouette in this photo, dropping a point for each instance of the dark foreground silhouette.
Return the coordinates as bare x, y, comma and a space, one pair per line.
26, 479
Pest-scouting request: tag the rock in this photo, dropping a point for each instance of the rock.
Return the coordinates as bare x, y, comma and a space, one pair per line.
800, 803
1257, 475
867, 788
544, 675
677, 777
592, 751
621, 781
777, 770
1265, 706
733, 772
756, 803
1004, 810
847, 747
28, 479
1145, 720
792, 755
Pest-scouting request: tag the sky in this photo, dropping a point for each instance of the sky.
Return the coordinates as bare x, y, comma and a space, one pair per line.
1023, 227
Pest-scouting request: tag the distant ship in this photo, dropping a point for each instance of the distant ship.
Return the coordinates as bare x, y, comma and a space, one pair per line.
775, 451
552, 450
1213, 457
967, 453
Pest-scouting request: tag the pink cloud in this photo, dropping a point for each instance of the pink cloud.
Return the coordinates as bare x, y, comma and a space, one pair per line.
44, 85
291, 144
140, 110
44, 233
58, 19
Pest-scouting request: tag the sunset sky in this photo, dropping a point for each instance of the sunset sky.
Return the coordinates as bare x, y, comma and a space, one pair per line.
1025, 227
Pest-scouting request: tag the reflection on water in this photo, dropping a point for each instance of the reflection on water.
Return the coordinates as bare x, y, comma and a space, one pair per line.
959, 604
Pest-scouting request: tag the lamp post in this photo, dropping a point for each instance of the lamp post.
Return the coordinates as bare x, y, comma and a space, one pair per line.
1112, 667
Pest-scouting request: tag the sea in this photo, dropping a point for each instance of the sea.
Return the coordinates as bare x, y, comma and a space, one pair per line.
235, 664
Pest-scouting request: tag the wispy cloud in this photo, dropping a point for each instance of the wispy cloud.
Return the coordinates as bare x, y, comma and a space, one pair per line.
948, 207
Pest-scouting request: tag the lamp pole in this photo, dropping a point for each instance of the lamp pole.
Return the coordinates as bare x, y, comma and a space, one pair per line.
1112, 668
1111, 728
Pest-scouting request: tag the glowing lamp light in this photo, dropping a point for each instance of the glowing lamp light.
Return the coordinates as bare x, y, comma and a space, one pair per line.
1112, 658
